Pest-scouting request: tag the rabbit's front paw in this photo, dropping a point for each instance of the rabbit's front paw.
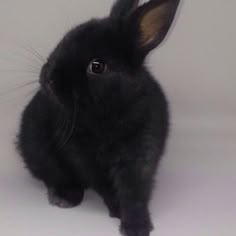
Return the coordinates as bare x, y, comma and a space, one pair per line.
68, 199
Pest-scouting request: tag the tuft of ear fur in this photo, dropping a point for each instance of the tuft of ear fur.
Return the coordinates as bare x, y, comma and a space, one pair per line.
123, 8
152, 21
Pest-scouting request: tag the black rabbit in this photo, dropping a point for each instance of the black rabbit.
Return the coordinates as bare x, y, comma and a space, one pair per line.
99, 119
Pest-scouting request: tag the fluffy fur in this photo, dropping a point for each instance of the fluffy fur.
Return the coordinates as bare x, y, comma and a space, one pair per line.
101, 131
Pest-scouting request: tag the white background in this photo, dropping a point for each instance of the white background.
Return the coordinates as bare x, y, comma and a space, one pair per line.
196, 188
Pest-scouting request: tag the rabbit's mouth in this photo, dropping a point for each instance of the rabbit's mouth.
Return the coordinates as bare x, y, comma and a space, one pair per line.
47, 86
46, 81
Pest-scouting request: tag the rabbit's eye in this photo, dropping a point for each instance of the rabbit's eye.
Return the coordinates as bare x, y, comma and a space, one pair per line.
97, 66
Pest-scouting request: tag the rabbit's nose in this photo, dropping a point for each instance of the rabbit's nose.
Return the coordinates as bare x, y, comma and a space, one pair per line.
46, 75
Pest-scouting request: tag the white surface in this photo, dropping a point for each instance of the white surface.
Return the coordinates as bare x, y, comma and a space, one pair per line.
196, 191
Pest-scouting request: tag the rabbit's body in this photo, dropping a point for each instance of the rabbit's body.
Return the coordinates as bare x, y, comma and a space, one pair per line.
101, 123
105, 136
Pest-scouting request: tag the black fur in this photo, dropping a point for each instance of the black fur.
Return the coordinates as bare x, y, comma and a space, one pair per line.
106, 132
123, 8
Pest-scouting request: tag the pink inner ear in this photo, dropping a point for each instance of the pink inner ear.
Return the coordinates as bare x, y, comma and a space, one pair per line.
152, 23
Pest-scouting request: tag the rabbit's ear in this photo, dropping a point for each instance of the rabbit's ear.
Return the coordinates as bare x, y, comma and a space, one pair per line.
123, 8
151, 22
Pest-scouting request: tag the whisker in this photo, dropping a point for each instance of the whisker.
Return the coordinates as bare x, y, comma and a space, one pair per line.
62, 138
24, 49
39, 55
62, 127
18, 87
68, 25
61, 122
32, 52
14, 60
20, 71
73, 125
68, 22
15, 98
